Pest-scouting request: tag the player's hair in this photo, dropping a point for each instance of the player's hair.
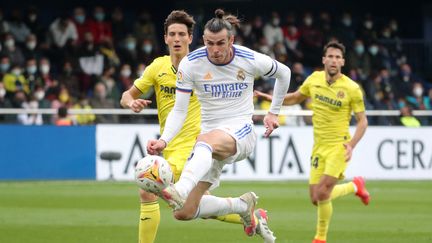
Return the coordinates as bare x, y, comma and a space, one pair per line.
336, 45
179, 17
222, 21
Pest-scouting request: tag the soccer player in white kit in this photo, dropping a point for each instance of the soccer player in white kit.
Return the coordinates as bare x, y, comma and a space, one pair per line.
222, 75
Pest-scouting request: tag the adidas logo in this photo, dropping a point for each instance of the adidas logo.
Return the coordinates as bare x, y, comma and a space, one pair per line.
208, 76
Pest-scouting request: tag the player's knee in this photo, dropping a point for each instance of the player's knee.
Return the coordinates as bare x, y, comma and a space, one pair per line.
147, 196
322, 195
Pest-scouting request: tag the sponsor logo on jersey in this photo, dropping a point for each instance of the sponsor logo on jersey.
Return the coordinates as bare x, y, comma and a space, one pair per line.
327, 100
180, 76
225, 90
208, 76
340, 95
241, 75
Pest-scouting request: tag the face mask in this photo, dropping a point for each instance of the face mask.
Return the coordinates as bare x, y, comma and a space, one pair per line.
308, 21
33, 104
139, 73
10, 43
386, 34
346, 22
4, 67
373, 50
247, 29
44, 68
32, 17
99, 16
130, 46
31, 45
79, 18
125, 72
100, 95
359, 49
39, 95
275, 21
418, 92
394, 27
2, 93
16, 72
147, 48
31, 69
368, 24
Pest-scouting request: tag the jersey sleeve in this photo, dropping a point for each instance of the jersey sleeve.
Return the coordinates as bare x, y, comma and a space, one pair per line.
357, 102
146, 81
304, 88
184, 77
266, 66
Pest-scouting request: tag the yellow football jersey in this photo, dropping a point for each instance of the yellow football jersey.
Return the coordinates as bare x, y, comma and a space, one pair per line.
332, 106
161, 74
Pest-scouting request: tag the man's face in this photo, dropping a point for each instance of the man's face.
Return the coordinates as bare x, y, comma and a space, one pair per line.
178, 39
219, 46
333, 61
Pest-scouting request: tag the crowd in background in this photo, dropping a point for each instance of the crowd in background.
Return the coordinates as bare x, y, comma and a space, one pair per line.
86, 58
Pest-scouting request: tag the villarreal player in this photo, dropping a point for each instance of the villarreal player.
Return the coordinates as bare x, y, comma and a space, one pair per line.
161, 75
334, 97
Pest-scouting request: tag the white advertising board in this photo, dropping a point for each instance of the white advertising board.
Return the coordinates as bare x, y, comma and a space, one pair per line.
383, 153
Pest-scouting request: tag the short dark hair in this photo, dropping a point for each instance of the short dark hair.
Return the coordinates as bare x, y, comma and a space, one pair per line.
179, 17
336, 45
222, 21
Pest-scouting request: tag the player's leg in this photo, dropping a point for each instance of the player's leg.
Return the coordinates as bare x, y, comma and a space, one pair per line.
149, 217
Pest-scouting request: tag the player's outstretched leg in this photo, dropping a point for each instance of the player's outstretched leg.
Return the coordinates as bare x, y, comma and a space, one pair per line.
172, 197
249, 220
362, 192
262, 228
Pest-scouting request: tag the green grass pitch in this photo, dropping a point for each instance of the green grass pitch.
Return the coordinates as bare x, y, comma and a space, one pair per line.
85, 211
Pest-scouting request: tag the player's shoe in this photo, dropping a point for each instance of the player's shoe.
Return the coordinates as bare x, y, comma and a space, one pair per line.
262, 228
249, 219
362, 192
318, 241
172, 197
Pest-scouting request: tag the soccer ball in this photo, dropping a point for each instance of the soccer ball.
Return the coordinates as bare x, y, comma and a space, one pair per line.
153, 173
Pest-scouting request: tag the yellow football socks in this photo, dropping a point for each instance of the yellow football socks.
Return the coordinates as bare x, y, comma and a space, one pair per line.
149, 222
325, 211
230, 218
342, 190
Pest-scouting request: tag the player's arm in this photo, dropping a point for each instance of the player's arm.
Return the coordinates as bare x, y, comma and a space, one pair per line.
130, 99
362, 124
289, 99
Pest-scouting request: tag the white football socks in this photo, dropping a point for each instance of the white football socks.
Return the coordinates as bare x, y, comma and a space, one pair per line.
211, 206
195, 169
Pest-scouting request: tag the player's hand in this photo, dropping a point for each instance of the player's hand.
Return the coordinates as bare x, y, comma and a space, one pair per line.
348, 151
265, 96
270, 123
139, 104
155, 147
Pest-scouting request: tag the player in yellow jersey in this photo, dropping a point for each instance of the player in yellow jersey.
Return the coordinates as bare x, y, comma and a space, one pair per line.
334, 97
161, 75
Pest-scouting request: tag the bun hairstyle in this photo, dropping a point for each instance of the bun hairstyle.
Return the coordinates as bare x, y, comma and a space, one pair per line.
222, 21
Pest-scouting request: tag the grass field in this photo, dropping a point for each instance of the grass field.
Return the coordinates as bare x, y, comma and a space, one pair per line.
84, 211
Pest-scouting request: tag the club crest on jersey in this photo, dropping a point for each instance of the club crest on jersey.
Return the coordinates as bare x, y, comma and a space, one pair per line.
241, 75
340, 95
180, 76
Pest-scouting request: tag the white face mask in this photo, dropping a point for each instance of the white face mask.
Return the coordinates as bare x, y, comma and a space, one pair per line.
2, 93
308, 21
39, 95
16, 72
125, 72
10, 43
31, 45
45, 68
418, 92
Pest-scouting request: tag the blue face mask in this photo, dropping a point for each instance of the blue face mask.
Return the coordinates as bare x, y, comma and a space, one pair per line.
373, 50
130, 45
31, 69
99, 16
80, 19
359, 49
4, 67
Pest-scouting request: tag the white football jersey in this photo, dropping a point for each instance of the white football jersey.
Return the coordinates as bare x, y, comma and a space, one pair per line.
224, 91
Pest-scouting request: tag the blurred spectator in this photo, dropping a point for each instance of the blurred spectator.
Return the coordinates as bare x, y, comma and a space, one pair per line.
69, 79
91, 62
30, 118
406, 79
367, 31
12, 50
358, 59
418, 100
31, 74
83, 105
128, 52
345, 30
145, 27
17, 27
4, 25
118, 25
62, 30
45, 73
378, 60
112, 87
125, 77
311, 41
325, 25
39, 94
100, 101
146, 52
272, 30
5, 103
63, 118
298, 76
15, 81
31, 48
140, 69
99, 26
33, 22
407, 119
4, 65
81, 22
292, 41
108, 51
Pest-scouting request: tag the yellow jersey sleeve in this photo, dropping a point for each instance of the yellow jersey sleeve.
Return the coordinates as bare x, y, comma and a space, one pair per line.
304, 88
148, 78
357, 103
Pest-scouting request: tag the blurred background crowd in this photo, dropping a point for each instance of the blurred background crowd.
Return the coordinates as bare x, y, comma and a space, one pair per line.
85, 57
